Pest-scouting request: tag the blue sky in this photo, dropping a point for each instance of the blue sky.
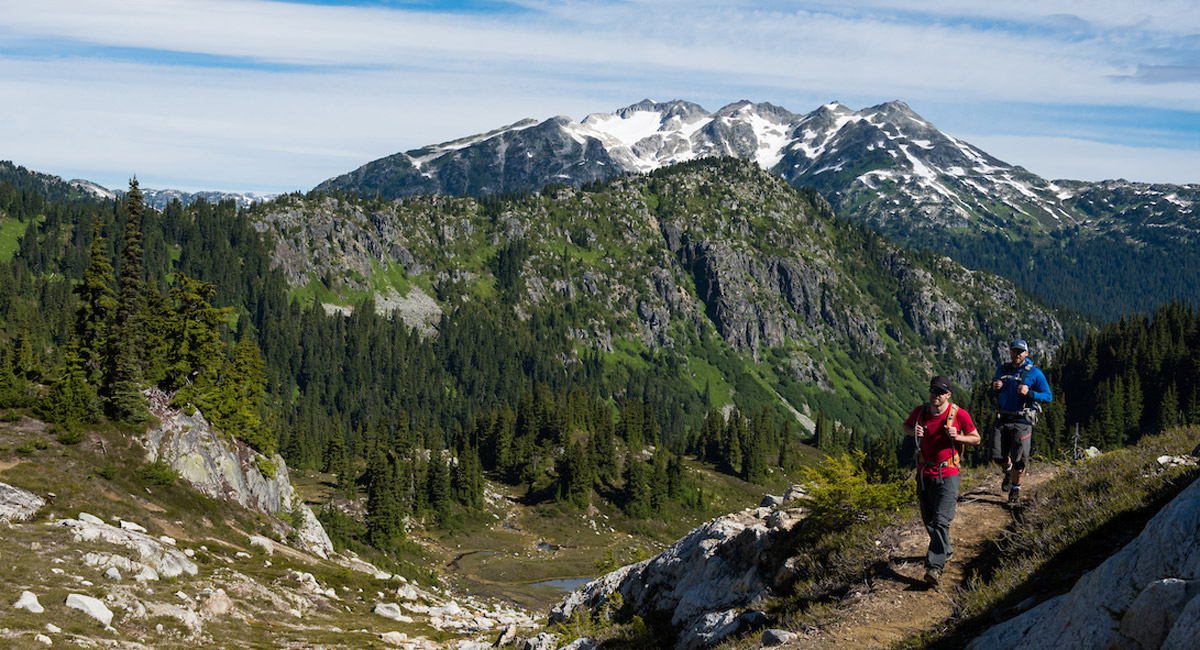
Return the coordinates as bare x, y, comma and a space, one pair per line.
279, 96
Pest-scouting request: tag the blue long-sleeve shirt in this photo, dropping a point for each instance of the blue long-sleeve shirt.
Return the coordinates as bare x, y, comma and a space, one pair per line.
1009, 399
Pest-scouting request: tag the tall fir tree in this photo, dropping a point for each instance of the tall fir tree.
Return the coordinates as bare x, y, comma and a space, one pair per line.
97, 305
196, 351
383, 507
124, 377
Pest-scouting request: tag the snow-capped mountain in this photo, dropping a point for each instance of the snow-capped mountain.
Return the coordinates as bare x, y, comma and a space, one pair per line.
878, 164
160, 199
884, 166
92, 189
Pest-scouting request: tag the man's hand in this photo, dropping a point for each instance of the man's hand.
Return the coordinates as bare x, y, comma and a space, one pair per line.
997, 385
952, 431
919, 429
1023, 389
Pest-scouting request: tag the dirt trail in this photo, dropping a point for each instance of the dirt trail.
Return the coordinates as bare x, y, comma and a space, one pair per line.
898, 603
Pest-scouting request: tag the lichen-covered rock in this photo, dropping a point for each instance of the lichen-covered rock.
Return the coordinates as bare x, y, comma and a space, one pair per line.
227, 469
1146, 594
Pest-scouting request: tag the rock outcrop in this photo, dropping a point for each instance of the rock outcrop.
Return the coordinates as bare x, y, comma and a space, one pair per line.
701, 583
152, 558
1146, 597
17, 504
224, 468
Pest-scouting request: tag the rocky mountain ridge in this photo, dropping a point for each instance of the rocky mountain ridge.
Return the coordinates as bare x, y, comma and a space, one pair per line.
851, 156
659, 260
884, 166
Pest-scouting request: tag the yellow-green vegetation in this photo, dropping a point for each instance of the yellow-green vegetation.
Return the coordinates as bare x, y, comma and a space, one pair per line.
11, 231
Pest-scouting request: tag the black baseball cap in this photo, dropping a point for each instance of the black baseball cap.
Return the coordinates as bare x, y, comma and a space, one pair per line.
940, 384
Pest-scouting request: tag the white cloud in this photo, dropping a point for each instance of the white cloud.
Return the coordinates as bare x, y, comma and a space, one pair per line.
289, 94
1087, 160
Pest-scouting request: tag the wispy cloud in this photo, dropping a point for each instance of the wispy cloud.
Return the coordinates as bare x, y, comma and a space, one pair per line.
281, 95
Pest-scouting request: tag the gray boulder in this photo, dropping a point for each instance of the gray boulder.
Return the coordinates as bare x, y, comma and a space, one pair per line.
772, 638
543, 641
17, 504
700, 582
90, 606
29, 602
1144, 596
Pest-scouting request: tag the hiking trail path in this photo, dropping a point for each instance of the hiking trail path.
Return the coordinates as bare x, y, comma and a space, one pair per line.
897, 602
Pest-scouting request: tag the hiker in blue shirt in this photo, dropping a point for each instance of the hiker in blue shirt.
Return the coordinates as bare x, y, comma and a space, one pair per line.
1022, 389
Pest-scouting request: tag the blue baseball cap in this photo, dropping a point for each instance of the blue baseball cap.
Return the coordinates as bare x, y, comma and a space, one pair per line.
1018, 344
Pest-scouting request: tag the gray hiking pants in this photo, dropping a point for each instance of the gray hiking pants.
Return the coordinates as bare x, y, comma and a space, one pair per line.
937, 498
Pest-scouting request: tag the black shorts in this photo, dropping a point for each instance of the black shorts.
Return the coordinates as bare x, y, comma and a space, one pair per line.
1011, 439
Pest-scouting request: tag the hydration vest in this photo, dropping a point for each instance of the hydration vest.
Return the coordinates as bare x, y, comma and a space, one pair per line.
955, 459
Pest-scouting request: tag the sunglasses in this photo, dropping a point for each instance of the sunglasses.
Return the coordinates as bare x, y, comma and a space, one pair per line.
937, 391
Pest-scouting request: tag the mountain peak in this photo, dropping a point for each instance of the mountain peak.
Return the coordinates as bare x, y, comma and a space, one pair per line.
674, 108
894, 110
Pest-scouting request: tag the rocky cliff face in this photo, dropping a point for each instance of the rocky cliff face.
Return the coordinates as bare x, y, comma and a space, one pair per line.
1145, 596
227, 469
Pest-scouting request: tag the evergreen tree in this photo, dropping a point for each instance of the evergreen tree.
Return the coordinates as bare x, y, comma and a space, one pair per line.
659, 482
438, 488
1133, 405
14, 389
636, 493
98, 303
882, 465
1168, 410
1193, 406
383, 508
675, 477
124, 376
575, 476
238, 398
196, 355
823, 435
734, 431
337, 461
72, 401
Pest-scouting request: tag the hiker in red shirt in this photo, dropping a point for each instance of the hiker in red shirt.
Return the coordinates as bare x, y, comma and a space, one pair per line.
941, 429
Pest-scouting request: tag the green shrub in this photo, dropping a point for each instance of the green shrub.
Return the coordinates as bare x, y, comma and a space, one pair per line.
107, 472
70, 434
840, 494
267, 467
158, 473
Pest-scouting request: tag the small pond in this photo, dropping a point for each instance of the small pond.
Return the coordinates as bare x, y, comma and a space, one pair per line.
563, 584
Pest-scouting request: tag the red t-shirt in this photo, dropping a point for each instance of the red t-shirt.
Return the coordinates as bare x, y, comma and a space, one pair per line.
936, 446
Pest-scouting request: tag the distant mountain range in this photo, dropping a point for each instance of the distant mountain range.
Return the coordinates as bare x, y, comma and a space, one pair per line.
884, 166
160, 199
77, 189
